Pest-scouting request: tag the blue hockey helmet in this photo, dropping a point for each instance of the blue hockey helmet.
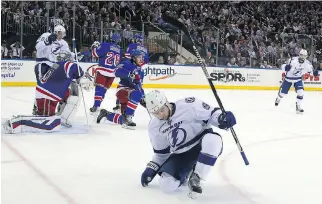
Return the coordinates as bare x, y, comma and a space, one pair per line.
116, 37
138, 38
136, 53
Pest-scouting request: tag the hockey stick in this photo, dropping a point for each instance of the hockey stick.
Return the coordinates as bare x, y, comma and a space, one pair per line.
78, 81
139, 88
182, 27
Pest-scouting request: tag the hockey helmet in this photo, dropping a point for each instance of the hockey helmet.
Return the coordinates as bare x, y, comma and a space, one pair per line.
64, 56
302, 55
138, 38
116, 37
60, 28
156, 101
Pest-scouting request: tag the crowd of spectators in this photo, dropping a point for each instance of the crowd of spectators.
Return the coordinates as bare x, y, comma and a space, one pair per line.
247, 33
251, 33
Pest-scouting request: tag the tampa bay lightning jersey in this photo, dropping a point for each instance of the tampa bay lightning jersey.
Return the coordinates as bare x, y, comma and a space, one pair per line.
137, 46
109, 55
47, 53
191, 118
297, 69
53, 83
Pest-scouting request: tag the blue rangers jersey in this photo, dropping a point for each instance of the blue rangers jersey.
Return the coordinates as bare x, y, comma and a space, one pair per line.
55, 82
109, 55
124, 70
137, 46
191, 119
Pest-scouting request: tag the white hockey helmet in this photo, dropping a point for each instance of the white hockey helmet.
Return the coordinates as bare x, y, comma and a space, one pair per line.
155, 100
303, 54
60, 28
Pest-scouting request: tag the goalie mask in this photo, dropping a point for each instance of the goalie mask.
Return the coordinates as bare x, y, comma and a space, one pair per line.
64, 56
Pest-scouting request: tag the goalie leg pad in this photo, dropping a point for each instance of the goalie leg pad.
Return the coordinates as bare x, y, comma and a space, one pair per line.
32, 124
103, 81
69, 108
45, 107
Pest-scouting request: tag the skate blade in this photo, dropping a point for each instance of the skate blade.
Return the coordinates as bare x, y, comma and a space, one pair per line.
193, 195
300, 113
6, 127
128, 127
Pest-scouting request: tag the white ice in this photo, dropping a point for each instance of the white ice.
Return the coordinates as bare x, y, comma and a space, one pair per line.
105, 166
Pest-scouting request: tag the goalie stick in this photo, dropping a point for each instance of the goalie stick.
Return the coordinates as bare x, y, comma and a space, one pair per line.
78, 81
182, 27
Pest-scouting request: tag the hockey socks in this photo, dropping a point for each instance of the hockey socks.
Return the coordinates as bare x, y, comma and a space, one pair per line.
99, 95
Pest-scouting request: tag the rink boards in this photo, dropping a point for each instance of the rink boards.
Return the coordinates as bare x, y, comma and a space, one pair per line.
21, 73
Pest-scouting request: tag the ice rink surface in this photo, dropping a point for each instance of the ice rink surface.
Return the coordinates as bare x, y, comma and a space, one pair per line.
105, 166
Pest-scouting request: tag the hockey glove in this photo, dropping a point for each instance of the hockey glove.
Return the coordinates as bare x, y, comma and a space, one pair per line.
135, 77
315, 73
287, 67
51, 38
86, 84
226, 120
149, 173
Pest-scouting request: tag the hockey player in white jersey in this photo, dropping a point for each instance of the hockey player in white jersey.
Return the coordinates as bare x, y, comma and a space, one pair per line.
183, 141
48, 46
294, 69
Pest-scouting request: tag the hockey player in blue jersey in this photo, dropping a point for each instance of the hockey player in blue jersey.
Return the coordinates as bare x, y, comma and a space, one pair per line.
129, 91
52, 86
109, 55
136, 45
183, 140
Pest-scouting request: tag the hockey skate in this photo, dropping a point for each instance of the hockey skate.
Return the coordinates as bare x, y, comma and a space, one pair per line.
34, 110
299, 110
6, 126
128, 122
277, 101
103, 114
194, 186
93, 109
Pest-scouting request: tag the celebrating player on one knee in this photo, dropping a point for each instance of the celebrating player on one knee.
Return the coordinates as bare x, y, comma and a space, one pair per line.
295, 68
109, 55
52, 88
184, 143
129, 91
136, 45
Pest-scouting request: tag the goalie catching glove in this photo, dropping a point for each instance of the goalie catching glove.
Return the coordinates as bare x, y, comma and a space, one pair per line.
86, 82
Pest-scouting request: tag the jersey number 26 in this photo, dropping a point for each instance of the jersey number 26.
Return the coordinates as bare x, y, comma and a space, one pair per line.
112, 59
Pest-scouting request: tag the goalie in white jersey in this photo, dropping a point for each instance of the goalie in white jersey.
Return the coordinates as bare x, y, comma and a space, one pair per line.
183, 141
295, 68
